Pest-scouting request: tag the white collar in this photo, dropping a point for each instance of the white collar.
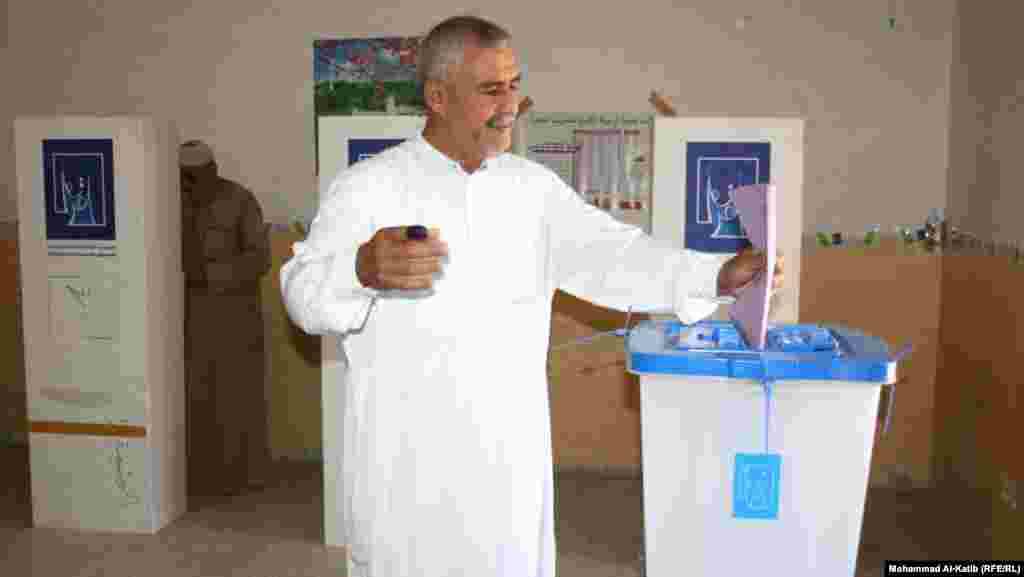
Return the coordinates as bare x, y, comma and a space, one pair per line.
439, 156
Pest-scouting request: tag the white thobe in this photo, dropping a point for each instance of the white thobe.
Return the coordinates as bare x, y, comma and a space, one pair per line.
446, 464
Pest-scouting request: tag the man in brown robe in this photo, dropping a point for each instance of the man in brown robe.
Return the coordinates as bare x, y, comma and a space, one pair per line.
225, 252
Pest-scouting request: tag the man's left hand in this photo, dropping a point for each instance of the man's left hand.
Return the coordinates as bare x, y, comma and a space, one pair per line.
743, 268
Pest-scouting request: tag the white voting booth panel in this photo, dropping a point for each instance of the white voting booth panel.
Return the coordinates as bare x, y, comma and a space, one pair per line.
344, 140
695, 156
693, 427
103, 304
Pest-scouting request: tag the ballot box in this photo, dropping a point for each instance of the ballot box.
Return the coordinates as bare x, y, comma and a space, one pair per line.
755, 462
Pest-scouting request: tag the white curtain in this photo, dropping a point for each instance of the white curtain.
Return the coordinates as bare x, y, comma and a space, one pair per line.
601, 169
603, 164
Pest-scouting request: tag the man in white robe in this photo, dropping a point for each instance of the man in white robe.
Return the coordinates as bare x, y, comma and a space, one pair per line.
447, 466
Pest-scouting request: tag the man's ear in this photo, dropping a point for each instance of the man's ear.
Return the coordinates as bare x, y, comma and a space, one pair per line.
435, 97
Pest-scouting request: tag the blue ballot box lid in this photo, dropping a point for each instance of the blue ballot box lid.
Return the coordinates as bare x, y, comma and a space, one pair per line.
791, 352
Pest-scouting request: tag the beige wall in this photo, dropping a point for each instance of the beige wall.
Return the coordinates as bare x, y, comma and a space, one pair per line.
966, 124
987, 120
978, 389
239, 75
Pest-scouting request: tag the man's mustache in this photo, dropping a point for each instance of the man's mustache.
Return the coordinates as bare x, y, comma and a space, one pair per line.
502, 120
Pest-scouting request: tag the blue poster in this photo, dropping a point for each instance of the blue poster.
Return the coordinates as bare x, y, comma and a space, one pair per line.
713, 169
362, 148
78, 183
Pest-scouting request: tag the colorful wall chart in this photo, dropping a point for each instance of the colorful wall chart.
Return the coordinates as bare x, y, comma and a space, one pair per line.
606, 158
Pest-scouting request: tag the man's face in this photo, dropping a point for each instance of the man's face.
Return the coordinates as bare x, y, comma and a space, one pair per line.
480, 100
198, 178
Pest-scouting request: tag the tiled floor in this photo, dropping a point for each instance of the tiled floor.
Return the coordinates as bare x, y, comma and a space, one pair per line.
276, 532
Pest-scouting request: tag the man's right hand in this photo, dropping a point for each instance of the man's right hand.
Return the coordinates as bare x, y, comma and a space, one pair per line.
390, 261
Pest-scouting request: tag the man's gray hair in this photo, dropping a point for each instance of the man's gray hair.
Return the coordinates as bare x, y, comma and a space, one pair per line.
443, 46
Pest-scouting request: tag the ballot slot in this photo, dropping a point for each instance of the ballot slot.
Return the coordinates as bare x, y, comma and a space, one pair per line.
725, 337
798, 351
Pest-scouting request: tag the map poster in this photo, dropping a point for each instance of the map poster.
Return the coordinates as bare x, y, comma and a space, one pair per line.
366, 76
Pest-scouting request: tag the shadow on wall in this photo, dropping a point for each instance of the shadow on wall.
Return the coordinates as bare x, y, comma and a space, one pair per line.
12, 366
306, 345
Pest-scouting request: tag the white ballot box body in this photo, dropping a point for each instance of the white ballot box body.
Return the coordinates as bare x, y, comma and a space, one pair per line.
693, 428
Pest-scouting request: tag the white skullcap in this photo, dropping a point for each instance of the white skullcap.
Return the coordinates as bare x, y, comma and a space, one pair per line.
195, 153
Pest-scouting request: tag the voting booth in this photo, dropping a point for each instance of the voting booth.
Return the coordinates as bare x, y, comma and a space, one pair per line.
343, 141
100, 241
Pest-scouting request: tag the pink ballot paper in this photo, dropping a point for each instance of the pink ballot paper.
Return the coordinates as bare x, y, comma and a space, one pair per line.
756, 207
